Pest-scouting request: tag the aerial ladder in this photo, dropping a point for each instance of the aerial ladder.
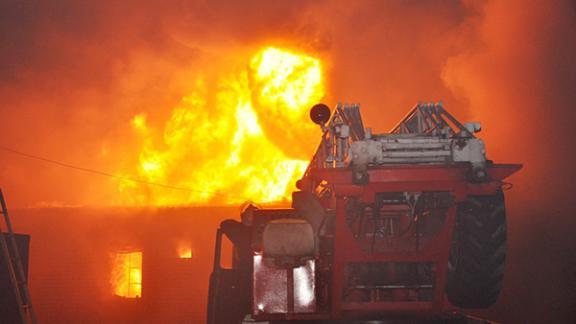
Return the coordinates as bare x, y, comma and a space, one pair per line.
408, 224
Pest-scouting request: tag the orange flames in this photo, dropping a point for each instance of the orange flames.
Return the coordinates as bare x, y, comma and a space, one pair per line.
244, 135
184, 251
126, 277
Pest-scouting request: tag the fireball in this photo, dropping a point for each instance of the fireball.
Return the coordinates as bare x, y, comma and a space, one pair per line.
245, 136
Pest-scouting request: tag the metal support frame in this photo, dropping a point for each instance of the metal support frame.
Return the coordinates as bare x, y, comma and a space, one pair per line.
346, 249
407, 178
331, 176
429, 118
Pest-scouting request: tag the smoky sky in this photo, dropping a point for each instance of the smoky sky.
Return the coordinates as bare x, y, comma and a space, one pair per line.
72, 74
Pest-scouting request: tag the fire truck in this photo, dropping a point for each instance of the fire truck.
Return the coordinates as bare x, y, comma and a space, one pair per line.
409, 224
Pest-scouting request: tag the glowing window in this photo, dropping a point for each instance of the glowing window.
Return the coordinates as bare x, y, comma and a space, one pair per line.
184, 251
127, 274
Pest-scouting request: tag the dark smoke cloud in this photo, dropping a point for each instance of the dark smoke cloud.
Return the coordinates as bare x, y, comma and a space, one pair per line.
73, 73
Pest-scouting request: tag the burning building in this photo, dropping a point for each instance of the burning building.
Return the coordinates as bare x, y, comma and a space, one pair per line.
123, 122
120, 265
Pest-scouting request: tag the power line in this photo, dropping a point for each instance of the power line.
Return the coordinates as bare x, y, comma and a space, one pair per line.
111, 175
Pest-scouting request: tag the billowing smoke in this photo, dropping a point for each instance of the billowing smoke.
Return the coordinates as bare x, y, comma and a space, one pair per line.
518, 78
74, 74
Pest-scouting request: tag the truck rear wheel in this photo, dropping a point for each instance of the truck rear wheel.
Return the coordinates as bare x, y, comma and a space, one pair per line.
477, 257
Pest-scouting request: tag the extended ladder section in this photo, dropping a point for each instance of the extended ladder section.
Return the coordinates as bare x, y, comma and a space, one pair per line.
428, 134
15, 270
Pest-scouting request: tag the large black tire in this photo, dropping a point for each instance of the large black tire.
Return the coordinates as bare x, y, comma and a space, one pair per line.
478, 254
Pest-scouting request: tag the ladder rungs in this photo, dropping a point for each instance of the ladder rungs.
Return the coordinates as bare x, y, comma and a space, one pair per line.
14, 262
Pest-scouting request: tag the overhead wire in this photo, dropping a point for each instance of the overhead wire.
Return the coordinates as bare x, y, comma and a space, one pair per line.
111, 175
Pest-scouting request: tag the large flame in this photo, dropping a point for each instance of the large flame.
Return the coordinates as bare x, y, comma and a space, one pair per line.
244, 135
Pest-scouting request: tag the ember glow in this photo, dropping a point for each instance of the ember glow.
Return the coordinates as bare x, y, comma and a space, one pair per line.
233, 141
126, 277
184, 251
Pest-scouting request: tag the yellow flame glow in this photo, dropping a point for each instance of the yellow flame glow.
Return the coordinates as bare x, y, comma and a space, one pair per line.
126, 276
184, 252
233, 139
